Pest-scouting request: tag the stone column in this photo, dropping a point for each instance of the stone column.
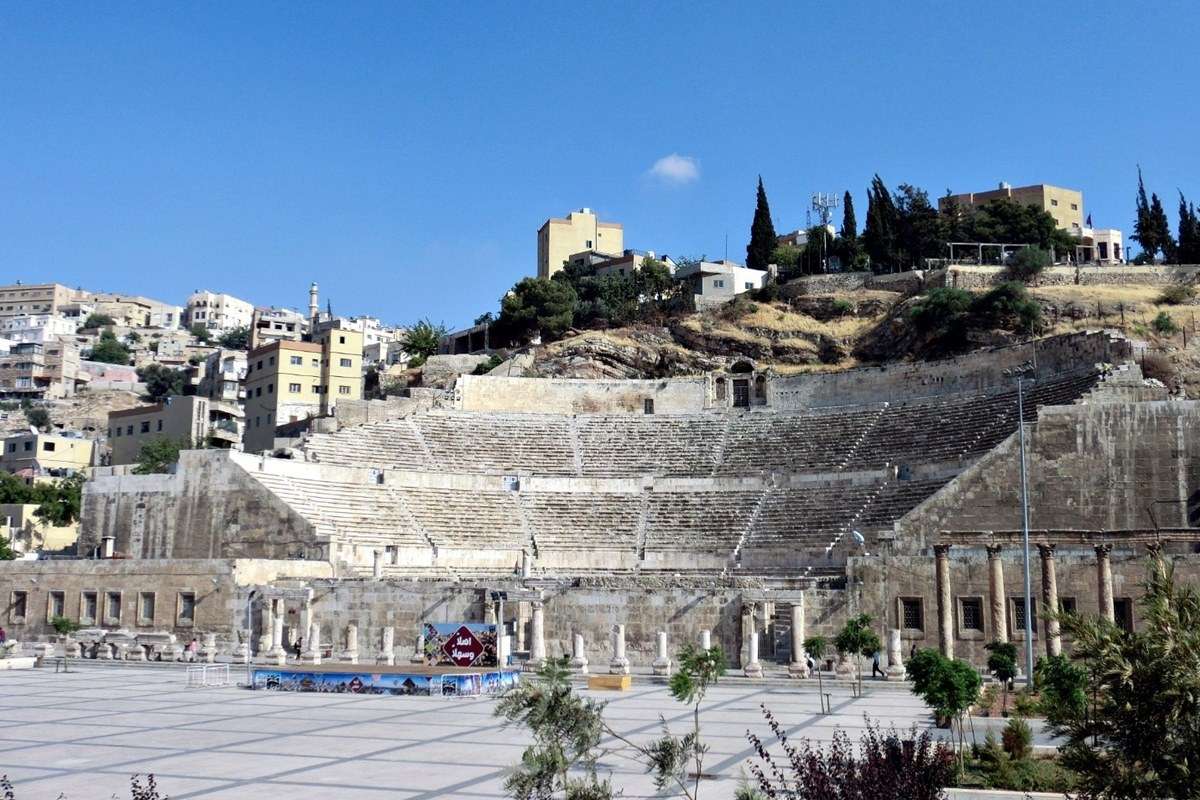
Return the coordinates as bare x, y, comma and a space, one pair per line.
312, 644
526, 564
706, 639
266, 624
996, 590
418, 656
895, 667
242, 648
208, 649
276, 654
945, 603
749, 626
579, 661
1050, 600
1104, 582
619, 664
662, 662
519, 624
799, 666
489, 612
387, 647
350, 654
753, 668
537, 632
377, 565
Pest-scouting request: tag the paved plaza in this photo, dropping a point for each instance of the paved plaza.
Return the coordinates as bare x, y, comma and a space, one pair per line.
83, 734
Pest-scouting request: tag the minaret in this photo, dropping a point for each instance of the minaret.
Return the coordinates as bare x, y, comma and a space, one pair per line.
313, 306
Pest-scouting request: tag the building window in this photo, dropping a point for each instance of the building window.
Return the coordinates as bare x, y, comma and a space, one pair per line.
17, 608
343, 389
258, 392
270, 388
260, 366
129, 430
12, 447
186, 613
971, 613
146, 608
56, 605
297, 360
345, 362
146, 426
316, 389
341, 340
648, 405
1123, 613
294, 388
258, 422
48, 447
87, 608
718, 283
112, 608
912, 613
28, 446
316, 362
1074, 206
1018, 615
1066, 605
268, 417
1053, 202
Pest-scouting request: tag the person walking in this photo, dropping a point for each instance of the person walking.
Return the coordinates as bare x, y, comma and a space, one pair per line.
192, 648
875, 670
298, 647
3, 635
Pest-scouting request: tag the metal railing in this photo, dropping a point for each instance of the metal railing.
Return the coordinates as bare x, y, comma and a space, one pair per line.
208, 676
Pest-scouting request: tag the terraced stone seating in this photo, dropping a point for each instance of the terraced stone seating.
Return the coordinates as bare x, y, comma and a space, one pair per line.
704, 522
498, 443
583, 521
624, 445
792, 442
356, 513
393, 444
892, 501
478, 519
807, 518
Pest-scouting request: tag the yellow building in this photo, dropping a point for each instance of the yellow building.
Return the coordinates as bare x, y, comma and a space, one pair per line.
559, 239
27, 534
36, 454
21, 300
290, 381
1065, 205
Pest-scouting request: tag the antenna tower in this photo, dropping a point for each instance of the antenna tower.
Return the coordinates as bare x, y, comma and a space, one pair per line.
824, 204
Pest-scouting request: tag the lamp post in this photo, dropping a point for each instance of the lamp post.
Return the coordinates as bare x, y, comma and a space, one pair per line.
1019, 374
249, 628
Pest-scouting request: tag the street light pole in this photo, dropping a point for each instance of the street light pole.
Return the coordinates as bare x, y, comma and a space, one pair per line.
1025, 532
249, 637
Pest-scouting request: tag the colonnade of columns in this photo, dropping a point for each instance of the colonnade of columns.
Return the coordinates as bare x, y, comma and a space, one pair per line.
998, 603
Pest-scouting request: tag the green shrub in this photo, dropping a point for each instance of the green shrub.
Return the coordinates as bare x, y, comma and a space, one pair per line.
842, 307
64, 626
1008, 306
1025, 703
1017, 738
939, 309
1177, 295
1027, 263
1063, 687
768, 293
1164, 325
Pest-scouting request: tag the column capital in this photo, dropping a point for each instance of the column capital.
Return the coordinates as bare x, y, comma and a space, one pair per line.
1154, 549
994, 550
1102, 550
941, 550
1047, 549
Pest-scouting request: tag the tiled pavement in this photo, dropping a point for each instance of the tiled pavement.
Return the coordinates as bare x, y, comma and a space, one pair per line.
83, 734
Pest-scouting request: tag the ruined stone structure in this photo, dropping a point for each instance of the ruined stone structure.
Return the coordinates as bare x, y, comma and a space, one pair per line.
754, 525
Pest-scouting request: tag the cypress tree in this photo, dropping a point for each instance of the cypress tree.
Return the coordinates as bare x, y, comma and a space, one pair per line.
1189, 233
1162, 229
1143, 226
879, 234
849, 223
762, 233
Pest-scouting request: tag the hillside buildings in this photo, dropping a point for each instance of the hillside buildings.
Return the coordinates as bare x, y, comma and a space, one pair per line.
715, 282
196, 420
35, 370
21, 300
37, 454
290, 381
559, 239
219, 313
275, 324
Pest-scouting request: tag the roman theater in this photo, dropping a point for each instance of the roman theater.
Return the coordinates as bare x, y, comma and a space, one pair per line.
739, 502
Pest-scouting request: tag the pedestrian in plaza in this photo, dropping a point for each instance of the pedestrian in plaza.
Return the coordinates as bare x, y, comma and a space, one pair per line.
298, 646
192, 648
3, 635
875, 670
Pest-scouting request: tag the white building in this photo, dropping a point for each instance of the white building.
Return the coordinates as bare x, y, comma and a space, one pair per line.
217, 312
1101, 245
40, 328
715, 282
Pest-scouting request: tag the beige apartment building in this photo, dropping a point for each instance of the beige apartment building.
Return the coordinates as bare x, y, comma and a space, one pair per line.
36, 454
21, 300
47, 370
217, 312
194, 419
559, 239
1065, 205
290, 381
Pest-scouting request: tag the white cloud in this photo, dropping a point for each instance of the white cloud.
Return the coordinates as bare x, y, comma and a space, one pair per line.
675, 170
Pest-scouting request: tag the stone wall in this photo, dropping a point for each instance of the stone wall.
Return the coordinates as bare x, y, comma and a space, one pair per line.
984, 277
567, 396
976, 373
219, 588
1090, 467
360, 412
909, 282
206, 509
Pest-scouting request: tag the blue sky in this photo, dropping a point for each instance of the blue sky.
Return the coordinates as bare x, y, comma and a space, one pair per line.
404, 155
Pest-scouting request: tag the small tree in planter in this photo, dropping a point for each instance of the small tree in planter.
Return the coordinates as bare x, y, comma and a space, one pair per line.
1002, 662
947, 686
857, 639
815, 647
64, 626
